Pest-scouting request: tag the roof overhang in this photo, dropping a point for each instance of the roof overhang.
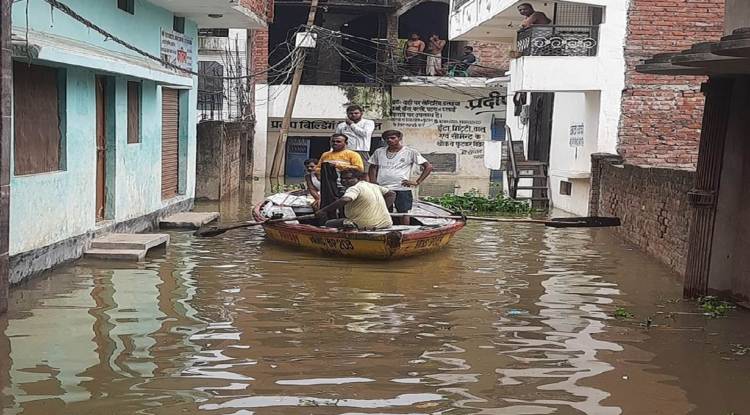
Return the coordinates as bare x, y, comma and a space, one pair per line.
729, 56
222, 14
60, 51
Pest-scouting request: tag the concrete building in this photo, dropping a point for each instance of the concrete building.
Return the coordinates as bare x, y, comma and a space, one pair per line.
104, 118
356, 61
566, 83
578, 93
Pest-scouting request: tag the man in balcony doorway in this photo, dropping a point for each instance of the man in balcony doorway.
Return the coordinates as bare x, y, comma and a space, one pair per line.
531, 16
434, 52
413, 55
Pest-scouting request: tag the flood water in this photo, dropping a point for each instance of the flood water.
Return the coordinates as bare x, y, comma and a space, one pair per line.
510, 319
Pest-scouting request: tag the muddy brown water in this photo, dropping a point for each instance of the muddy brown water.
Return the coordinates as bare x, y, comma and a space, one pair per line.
510, 319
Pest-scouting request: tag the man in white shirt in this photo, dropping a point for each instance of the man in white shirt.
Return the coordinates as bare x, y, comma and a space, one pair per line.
391, 168
366, 205
359, 132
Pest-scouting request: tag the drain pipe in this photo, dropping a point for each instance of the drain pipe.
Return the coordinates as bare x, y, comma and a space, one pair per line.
6, 89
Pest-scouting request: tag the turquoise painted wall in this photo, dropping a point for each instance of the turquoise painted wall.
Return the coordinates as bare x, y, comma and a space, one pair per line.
50, 207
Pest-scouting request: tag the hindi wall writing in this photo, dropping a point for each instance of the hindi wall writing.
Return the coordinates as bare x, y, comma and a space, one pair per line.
321, 126
457, 123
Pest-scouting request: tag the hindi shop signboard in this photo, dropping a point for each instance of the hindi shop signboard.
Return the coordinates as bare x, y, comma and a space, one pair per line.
177, 49
316, 126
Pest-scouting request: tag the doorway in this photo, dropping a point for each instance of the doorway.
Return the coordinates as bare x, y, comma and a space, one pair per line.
540, 125
101, 147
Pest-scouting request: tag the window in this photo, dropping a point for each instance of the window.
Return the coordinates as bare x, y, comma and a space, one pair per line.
39, 129
566, 188
213, 32
178, 24
134, 112
210, 87
442, 162
126, 5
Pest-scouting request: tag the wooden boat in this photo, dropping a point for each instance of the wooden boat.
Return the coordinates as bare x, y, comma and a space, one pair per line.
423, 236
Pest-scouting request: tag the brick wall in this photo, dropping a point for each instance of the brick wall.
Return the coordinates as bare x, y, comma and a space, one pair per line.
651, 202
661, 115
259, 54
260, 7
494, 58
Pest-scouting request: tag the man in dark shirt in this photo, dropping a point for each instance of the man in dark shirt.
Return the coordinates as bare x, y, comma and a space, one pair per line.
465, 63
532, 17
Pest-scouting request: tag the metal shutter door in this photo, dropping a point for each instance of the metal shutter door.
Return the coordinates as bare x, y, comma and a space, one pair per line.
170, 115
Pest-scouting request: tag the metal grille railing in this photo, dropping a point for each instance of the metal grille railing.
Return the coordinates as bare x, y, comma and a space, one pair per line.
558, 40
458, 3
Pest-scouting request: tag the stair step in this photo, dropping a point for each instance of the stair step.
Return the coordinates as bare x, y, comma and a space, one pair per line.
532, 176
130, 241
117, 254
188, 220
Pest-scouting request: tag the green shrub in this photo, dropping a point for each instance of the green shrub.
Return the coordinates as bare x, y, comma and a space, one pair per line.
474, 202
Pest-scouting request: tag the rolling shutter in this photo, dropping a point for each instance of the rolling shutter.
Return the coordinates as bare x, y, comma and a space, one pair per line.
170, 125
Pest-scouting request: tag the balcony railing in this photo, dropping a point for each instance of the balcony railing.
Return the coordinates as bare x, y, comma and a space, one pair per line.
553, 40
458, 3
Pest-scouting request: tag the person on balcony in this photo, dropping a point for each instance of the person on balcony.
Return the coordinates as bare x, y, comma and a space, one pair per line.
434, 53
461, 68
413, 52
531, 16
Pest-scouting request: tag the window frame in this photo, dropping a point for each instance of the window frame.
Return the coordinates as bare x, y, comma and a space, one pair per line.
178, 24
127, 6
139, 113
61, 95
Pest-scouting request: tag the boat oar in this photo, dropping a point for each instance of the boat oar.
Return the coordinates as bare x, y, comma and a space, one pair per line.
574, 222
209, 231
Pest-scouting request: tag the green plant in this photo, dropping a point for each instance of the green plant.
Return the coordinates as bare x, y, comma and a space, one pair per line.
474, 202
714, 307
623, 313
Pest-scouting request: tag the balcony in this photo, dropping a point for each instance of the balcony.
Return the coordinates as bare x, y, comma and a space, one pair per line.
556, 40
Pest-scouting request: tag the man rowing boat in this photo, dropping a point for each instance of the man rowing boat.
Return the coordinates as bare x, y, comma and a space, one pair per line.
366, 205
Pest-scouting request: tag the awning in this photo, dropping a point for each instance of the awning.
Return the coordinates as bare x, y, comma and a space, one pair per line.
64, 51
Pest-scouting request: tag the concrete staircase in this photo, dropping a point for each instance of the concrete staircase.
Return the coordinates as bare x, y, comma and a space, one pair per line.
125, 246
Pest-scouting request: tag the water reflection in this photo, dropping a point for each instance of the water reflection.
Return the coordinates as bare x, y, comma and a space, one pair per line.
507, 320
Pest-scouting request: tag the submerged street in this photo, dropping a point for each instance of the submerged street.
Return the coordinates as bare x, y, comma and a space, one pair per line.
509, 319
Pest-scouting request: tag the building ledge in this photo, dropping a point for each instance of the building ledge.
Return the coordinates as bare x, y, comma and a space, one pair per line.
56, 49
466, 82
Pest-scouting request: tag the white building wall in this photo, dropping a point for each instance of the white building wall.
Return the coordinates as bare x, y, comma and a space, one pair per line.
586, 88
572, 163
227, 51
317, 102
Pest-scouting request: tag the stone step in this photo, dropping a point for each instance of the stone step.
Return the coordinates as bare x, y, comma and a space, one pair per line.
130, 241
117, 254
188, 220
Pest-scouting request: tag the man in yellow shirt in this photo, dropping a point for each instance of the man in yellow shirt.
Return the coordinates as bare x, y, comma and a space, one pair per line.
340, 156
367, 205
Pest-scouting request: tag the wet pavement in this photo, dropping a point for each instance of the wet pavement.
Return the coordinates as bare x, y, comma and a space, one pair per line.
510, 319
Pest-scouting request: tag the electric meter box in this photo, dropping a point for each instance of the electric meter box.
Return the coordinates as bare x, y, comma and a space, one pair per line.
306, 40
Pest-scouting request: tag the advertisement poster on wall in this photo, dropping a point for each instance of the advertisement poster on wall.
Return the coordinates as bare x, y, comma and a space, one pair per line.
177, 49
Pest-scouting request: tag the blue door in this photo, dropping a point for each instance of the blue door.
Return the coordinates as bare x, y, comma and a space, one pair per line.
297, 151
